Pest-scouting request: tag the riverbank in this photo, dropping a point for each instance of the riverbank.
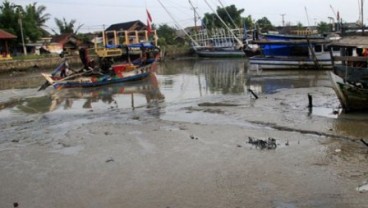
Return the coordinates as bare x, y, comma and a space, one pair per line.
169, 52
45, 62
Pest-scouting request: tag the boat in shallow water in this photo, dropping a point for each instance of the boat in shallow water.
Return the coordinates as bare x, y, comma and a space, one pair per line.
91, 78
292, 54
350, 73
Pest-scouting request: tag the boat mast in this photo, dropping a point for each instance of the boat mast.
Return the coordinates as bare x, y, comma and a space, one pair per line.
178, 25
306, 12
361, 13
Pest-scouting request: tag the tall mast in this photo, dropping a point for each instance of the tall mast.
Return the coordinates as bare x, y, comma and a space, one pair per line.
361, 8
178, 25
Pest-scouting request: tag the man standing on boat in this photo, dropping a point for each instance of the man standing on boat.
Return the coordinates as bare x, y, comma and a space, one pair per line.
64, 65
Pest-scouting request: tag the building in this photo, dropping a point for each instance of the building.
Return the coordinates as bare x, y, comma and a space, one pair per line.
4, 47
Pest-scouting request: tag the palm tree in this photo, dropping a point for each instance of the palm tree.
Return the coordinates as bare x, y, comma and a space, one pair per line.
36, 14
66, 27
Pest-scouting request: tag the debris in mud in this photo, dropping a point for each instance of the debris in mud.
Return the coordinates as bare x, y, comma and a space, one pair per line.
194, 138
270, 143
110, 160
363, 188
15, 204
15, 140
219, 104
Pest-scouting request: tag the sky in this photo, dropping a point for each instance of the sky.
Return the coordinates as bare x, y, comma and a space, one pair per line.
95, 15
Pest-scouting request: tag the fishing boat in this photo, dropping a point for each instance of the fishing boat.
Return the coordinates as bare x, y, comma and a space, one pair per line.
93, 78
350, 73
222, 43
292, 54
107, 73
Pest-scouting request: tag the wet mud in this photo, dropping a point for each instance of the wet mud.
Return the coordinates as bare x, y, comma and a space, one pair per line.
197, 137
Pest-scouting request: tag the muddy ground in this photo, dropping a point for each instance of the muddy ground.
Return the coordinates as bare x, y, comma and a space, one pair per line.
189, 154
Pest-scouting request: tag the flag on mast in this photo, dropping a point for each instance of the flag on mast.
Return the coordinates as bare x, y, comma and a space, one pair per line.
149, 22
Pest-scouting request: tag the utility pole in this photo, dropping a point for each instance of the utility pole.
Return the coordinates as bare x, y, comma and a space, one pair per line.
361, 7
283, 20
20, 22
195, 15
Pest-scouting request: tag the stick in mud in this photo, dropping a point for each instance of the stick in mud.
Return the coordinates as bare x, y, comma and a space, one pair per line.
310, 101
254, 94
364, 142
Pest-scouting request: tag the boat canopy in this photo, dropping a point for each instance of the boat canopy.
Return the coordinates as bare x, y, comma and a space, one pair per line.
147, 45
351, 42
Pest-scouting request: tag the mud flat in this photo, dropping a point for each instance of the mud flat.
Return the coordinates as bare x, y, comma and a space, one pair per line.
193, 154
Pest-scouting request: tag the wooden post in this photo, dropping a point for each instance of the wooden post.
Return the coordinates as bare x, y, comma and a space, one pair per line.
310, 101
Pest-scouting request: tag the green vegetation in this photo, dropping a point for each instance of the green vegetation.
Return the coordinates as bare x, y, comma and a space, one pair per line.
32, 18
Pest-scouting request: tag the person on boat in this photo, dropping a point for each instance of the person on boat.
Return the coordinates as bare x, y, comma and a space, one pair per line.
83, 55
64, 65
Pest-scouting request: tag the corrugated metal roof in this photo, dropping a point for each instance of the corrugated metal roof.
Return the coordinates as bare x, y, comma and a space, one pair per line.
6, 35
352, 41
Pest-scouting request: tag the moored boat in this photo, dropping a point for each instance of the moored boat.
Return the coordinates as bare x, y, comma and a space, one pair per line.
292, 54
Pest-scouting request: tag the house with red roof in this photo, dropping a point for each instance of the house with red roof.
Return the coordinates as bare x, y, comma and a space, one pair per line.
4, 47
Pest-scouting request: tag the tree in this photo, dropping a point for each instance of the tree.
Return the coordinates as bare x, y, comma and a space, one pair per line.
323, 27
264, 24
66, 27
32, 19
248, 22
166, 35
38, 14
230, 15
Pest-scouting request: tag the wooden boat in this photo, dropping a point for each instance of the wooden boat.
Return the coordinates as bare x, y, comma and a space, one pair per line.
352, 97
106, 73
350, 73
292, 54
91, 78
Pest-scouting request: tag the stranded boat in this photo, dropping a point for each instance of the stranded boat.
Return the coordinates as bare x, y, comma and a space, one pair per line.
350, 73
106, 73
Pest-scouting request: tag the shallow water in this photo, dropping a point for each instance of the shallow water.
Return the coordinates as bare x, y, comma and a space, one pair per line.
177, 85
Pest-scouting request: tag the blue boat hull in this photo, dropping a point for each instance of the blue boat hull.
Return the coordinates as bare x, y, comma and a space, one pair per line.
104, 81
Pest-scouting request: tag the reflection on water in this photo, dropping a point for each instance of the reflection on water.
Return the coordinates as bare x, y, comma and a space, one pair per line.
128, 95
271, 81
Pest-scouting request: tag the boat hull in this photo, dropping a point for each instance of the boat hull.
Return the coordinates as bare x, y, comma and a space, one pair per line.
352, 98
220, 54
265, 62
95, 82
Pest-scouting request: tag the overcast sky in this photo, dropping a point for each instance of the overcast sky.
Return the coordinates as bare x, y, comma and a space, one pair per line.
97, 14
